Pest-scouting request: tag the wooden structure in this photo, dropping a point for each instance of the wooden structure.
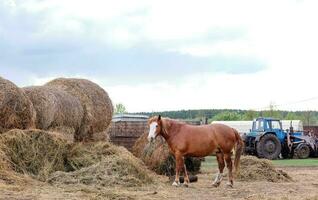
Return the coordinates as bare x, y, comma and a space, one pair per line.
125, 129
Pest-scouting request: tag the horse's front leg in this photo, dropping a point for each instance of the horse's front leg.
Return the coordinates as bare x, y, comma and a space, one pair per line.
179, 165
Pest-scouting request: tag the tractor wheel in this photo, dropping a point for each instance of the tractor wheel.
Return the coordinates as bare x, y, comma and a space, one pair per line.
269, 147
302, 151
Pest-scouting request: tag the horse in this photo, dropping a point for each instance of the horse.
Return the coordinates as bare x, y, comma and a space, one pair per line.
198, 141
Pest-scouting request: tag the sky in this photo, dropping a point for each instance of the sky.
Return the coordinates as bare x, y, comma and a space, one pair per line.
168, 55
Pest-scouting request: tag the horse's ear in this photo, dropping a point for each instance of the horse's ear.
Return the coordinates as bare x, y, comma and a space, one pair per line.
159, 117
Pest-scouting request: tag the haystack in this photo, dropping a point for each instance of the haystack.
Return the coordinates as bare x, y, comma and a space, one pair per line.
16, 110
34, 152
255, 169
102, 164
48, 157
157, 157
97, 105
56, 110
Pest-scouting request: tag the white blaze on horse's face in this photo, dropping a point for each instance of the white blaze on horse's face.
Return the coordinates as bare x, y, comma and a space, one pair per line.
152, 131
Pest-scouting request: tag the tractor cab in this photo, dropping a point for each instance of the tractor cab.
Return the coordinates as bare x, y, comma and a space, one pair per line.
267, 125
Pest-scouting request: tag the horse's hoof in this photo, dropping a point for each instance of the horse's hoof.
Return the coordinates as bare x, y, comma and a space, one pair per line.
229, 185
185, 185
175, 184
216, 184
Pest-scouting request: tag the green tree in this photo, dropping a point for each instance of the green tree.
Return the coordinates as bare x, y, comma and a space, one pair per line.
309, 118
120, 108
250, 115
227, 116
272, 112
291, 116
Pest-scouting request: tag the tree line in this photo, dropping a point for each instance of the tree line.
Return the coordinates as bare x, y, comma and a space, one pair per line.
307, 117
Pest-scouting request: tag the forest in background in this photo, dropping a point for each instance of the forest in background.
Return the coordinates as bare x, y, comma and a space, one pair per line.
308, 117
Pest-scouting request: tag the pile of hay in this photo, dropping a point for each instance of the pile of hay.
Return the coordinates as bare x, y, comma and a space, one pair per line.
4, 165
48, 157
97, 105
255, 169
16, 110
157, 157
34, 152
103, 164
56, 109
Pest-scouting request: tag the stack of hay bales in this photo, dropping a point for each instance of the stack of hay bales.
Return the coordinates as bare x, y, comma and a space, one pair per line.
56, 110
16, 110
76, 108
255, 169
97, 106
157, 157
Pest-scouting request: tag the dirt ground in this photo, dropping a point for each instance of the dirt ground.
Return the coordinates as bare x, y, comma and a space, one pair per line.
304, 186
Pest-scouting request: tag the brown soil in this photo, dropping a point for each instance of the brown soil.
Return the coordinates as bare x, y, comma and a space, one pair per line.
304, 186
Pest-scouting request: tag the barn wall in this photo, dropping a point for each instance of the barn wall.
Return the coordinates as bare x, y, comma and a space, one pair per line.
125, 133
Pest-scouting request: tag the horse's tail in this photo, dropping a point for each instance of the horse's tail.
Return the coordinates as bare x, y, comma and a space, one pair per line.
238, 150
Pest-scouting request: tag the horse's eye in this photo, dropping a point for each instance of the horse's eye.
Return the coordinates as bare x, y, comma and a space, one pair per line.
156, 126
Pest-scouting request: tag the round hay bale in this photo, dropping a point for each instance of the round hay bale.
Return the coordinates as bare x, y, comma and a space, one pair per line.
255, 169
16, 110
157, 156
98, 108
56, 110
34, 152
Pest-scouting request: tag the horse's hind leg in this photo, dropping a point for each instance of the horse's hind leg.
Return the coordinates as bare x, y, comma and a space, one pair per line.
219, 176
186, 176
229, 166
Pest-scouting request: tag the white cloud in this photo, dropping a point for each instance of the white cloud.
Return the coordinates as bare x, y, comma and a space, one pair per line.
249, 91
281, 33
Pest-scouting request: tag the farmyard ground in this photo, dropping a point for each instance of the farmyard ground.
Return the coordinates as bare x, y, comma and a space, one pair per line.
304, 186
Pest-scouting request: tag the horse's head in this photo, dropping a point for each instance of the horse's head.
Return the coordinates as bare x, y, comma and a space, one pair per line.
155, 126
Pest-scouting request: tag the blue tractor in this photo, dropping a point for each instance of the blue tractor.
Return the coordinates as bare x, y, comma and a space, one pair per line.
268, 140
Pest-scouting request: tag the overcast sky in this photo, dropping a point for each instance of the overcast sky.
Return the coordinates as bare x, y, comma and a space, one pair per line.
168, 55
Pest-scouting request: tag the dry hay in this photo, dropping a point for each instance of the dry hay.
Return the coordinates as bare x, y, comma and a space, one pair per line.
65, 132
157, 157
34, 152
16, 110
56, 110
255, 169
47, 157
103, 164
97, 105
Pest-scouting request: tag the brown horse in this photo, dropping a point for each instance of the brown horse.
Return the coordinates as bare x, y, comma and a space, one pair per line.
198, 141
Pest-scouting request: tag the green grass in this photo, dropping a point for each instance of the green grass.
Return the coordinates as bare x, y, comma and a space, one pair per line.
210, 163
310, 162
